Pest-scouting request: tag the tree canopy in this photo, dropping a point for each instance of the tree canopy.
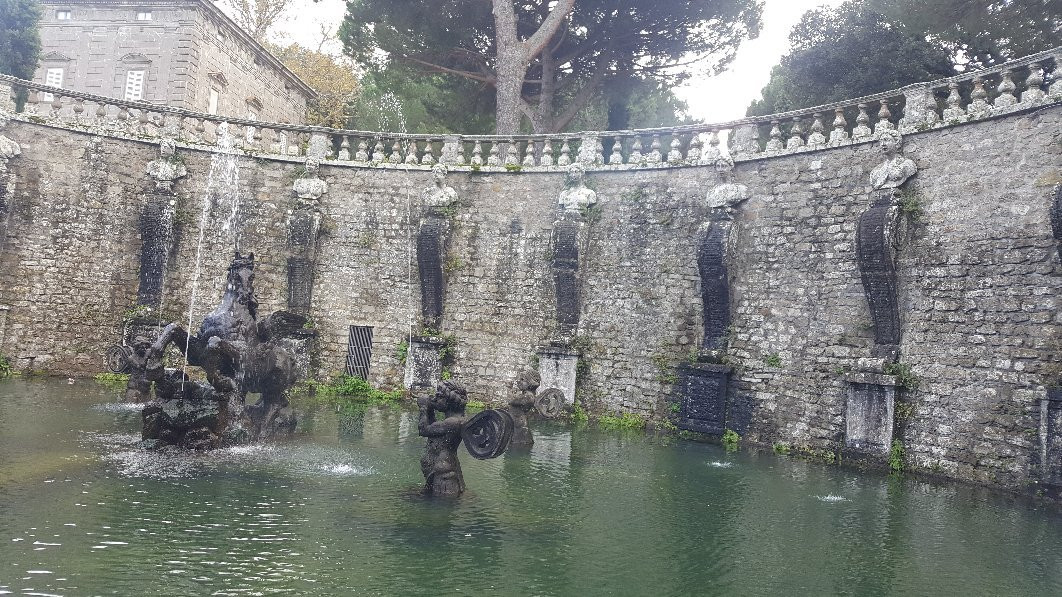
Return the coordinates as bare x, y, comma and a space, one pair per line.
548, 60
20, 39
868, 46
848, 52
981, 33
334, 80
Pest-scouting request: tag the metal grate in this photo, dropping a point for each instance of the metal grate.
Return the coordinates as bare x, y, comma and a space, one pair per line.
359, 351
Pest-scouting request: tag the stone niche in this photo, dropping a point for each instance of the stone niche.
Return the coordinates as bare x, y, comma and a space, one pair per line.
424, 362
703, 406
557, 367
1051, 437
869, 412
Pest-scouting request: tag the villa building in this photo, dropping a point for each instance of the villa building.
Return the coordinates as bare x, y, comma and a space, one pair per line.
181, 53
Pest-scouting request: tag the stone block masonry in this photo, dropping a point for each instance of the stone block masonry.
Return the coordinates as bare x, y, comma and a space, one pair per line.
977, 274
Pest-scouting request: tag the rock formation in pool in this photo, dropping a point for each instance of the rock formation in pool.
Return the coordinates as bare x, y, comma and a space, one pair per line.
486, 435
239, 353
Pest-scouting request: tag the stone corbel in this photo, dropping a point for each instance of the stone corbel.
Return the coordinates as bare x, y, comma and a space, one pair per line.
704, 383
1056, 218
304, 227
875, 243
871, 396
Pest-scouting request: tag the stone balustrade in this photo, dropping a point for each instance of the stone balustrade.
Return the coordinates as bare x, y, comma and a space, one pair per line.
1019, 85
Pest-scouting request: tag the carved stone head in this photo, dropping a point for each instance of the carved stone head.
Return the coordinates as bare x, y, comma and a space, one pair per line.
438, 173
576, 173
891, 142
450, 397
167, 148
528, 381
313, 165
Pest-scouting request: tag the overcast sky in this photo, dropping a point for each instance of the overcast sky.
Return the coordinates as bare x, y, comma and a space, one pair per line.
713, 99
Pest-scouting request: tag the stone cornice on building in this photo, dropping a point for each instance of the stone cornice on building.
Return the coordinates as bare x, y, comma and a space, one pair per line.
215, 15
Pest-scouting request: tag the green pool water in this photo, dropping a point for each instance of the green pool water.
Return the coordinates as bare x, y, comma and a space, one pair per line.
336, 511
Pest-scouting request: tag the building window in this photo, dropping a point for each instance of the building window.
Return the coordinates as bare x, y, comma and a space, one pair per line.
62, 15
134, 85
53, 77
143, 16
215, 99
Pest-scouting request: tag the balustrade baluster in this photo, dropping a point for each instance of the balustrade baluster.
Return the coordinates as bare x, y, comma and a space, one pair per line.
79, 109
378, 155
1034, 94
636, 151
56, 106
862, 130
566, 154
817, 138
839, 134
428, 159
411, 152
101, 113
654, 156
796, 135
362, 154
615, 157
599, 150
774, 144
547, 153
511, 157
529, 154
979, 107
1006, 99
954, 113
693, 156
674, 154
884, 117
395, 156
477, 153
493, 159
344, 148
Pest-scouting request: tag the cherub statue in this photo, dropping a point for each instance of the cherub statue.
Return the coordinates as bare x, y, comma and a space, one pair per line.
442, 470
167, 168
523, 401
896, 169
576, 197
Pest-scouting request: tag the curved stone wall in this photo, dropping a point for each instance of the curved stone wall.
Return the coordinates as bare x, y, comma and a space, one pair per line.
976, 266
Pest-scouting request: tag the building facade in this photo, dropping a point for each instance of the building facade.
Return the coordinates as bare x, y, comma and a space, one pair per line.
181, 53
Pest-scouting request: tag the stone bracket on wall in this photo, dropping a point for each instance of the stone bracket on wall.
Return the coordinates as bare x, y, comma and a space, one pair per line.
424, 362
877, 270
715, 286
1056, 217
869, 411
304, 228
1051, 436
557, 369
704, 390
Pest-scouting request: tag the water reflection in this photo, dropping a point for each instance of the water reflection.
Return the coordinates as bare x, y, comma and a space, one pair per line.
337, 510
